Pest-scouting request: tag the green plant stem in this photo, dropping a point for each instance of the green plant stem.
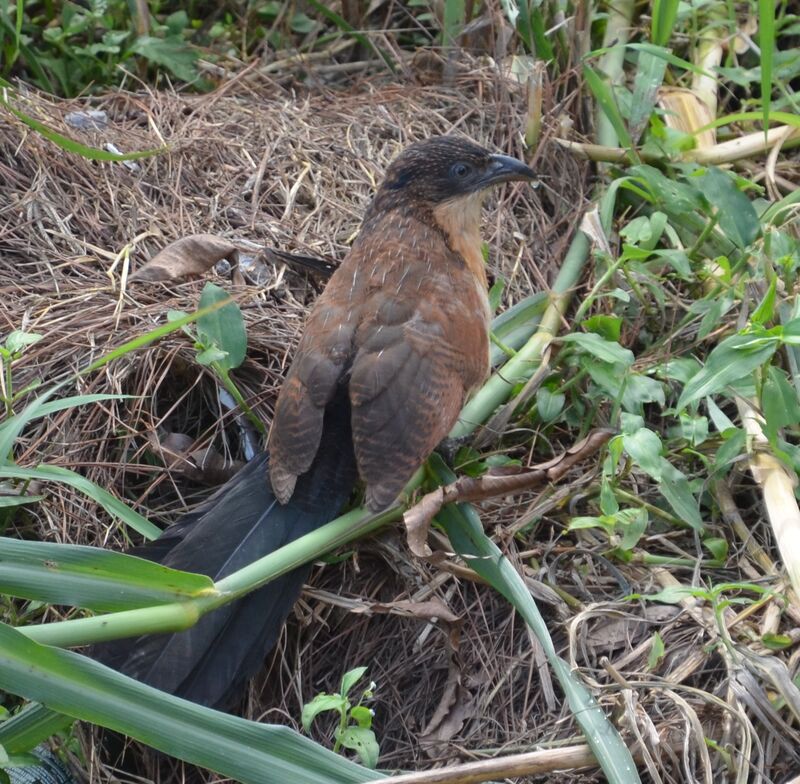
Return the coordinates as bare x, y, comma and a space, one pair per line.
228, 383
178, 616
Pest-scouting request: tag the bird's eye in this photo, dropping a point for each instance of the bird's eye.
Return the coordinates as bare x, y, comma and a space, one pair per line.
460, 170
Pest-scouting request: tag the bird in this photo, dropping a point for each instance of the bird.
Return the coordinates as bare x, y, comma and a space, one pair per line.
391, 350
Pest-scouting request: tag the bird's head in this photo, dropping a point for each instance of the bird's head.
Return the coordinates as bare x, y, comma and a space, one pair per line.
446, 169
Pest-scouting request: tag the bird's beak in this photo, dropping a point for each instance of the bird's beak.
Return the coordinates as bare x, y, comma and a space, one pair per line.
503, 168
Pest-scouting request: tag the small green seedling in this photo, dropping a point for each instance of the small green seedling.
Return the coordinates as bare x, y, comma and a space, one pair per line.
354, 730
12, 349
221, 342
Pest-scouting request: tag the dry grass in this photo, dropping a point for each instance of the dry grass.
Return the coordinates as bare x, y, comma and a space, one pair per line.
257, 164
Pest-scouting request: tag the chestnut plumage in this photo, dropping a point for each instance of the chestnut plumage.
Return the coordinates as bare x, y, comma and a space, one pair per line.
403, 322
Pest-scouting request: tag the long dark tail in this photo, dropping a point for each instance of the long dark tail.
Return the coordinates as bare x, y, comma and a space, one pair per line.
240, 523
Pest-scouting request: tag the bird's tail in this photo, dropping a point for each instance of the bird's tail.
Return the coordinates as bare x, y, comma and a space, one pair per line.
240, 523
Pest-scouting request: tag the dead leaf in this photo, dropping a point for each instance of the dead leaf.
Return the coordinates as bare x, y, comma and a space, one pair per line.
449, 716
417, 521
186, 259
433, 609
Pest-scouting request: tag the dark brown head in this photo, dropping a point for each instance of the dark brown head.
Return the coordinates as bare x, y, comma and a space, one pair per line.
444, 168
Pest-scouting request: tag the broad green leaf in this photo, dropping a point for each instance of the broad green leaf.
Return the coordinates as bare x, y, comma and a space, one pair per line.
320, 704
351, 678
91, 578
172, 52
464, 529
673, 594
17, 340
600, 348
718, 416
674, 486
250, 752
632, 524
734, 358
644, 447
362, 741
109, 502
549, 404
737, 216
608, 327
693, 428
718, 548
362, 715
223, 328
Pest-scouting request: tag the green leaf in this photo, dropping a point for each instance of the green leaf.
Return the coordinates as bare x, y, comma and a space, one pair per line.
644, 446
110, 503
70, 145
776, 642
223, 328
249, 752
734, 358
8, 501
674, 486
664, 14
766, 43
606, 350
737, 216
362, 741
362, 715
30, 726
605, 100
172, 52
657, 651
464, 529
633, 524
718, 548
90, 577
320, 704
673, 594
350, 678
778, 403
18, 340
549, 404
212, 354
608, 327
765, 312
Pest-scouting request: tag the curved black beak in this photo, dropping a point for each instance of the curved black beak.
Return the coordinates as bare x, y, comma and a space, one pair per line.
504, 168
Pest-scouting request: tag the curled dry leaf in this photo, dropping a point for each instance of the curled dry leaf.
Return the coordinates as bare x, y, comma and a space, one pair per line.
186, 259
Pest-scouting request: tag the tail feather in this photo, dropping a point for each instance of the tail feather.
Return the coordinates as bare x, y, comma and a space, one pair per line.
240, 523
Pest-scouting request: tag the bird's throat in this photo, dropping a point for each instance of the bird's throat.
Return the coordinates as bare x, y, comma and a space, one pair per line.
460, 220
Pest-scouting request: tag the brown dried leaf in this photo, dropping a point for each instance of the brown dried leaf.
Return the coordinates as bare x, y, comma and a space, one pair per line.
418, 522
433, 609
186, 259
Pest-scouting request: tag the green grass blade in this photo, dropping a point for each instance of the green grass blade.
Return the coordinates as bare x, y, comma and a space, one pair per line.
464, 529
453, 22
649, 77
7, 501
605, 100
32, 725
92, 578
249, 752
70, 145
12, 427
766, 42
664, 14
109, 502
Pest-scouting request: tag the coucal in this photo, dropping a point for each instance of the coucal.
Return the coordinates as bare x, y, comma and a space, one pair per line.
391, 349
